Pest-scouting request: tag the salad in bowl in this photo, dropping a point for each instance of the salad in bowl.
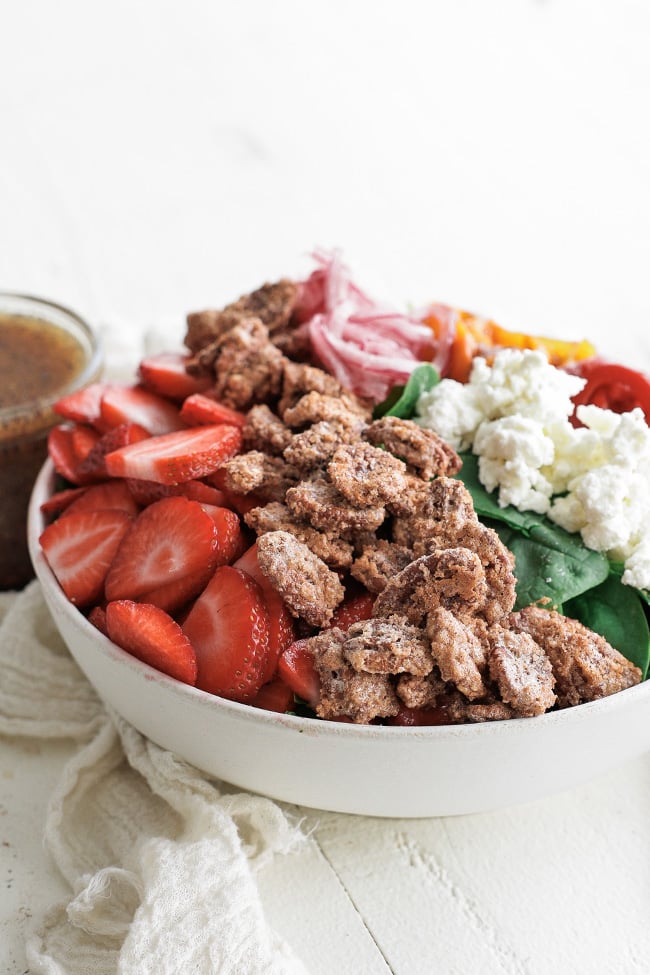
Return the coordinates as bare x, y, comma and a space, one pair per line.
332, 518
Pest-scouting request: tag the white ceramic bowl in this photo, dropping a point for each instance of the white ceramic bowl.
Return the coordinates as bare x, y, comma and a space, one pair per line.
376, 771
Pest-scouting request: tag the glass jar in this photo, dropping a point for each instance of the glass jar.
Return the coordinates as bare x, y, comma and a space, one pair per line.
46, 351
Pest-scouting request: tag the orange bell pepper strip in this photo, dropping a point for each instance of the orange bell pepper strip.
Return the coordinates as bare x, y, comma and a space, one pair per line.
479, 336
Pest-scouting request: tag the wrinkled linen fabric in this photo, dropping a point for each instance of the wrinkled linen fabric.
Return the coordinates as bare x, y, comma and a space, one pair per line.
159, 859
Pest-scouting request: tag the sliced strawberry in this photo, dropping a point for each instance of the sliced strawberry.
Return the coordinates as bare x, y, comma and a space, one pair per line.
145, 492
230, 538
83, 439
61, 501
228, 626
199, 409
274, 696
419, 717
61, 449
353, 610
80, 549
179, 593
100, 497
97, 616
165, 374
175, 457
152, 636
93, 464
133, 404
296, 668
82, 406
281, 625
205, 493
170, 539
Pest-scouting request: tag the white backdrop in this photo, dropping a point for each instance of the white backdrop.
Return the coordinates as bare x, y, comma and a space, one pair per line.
161, 156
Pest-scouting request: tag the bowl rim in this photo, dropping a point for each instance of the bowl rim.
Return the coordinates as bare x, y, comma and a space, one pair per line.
311, 726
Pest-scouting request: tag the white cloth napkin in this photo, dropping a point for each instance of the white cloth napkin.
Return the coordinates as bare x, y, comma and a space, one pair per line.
160, 860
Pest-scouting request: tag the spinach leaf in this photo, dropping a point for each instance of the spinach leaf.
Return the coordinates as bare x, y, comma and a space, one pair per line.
485, 502
550, 564
401, 400
616, 612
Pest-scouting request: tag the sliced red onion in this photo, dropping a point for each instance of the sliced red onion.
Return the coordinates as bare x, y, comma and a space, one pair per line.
367, 346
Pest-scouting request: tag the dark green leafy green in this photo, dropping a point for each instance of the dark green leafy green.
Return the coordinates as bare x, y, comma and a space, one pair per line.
550, 563
401, 400
485, 502
552, 566
616, 612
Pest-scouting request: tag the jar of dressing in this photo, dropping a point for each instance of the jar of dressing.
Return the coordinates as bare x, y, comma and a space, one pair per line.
46, 351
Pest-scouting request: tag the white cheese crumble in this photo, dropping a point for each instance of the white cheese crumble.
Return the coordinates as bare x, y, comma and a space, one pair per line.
594, 479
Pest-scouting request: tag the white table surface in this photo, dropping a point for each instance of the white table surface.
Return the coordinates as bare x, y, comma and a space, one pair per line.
156, 158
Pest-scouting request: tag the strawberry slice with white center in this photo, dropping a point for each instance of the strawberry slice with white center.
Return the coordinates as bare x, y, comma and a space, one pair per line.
281, 626
171, 539
176, 457
228, 626
199, 409
133, 404
152, 636
165, 373
80, 548
99, 497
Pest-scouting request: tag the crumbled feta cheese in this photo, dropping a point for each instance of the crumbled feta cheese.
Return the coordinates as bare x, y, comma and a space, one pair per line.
452, 410
594, 479
522, 381
637, 566
612, 505
512, 451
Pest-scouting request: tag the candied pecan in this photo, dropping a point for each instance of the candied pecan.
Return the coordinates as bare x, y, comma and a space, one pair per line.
421, 692
380, 561
313, 407
263, 430
319, 503
496, 559
452, 578
334, 551
294, 342
440, 509
344, 692
272, 304
388, 646
254, 471
461, 711
521, 671
206, 328
366, 475
585, 666
248, 367
423, 450
309, 589
300, 378
312, 448
459, 653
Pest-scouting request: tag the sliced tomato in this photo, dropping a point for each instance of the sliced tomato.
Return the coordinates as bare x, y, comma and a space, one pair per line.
613, 387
